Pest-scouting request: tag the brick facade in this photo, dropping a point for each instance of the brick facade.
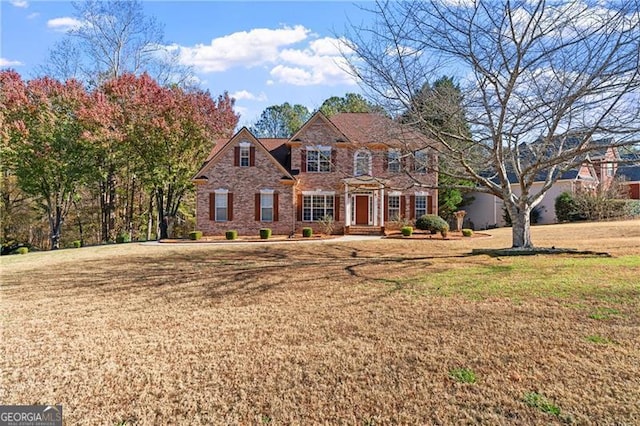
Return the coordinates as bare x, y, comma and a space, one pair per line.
244, 183
291, 180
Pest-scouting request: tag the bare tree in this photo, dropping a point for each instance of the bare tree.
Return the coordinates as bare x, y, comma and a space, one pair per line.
539, 80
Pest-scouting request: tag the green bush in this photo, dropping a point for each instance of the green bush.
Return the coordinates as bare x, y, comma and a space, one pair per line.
195, 235
466, 232
265, 233
21, 250
632, 207
406, 231
123, 238
432, 223
231, 235
566, 208
307, 232
77, 244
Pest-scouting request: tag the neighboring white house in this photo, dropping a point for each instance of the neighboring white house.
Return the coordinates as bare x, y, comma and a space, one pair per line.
599, 169
487, 210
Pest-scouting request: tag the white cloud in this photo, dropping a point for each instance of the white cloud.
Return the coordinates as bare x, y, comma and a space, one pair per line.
245, 94
241, 49
292, 75
320, 64
240, 110
33, 15
9, 63
64, 24
294, 55
19, 3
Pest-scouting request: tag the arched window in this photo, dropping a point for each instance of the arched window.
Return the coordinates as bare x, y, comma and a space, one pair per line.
362, 163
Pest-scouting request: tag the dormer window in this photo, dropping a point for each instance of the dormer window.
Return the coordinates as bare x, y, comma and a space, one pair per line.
362, 163
244, 155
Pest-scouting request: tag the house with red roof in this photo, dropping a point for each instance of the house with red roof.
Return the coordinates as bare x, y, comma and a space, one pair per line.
362, 170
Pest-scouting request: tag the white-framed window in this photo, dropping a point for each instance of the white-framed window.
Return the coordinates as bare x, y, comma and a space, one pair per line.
245, 154
393, 204
315, 207
222, 207
609, 167
421, 205
266, 206
319, 160
393, 160
420, 161
362, 163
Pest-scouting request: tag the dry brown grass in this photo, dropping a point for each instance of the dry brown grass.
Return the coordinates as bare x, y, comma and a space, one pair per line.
335, 333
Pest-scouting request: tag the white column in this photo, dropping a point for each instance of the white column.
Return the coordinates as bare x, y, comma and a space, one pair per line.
383, 206
374, 213
347, 206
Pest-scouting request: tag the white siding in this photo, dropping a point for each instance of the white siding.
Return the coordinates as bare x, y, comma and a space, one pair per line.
486, 210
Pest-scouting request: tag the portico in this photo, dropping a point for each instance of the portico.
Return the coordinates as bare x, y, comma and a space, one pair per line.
364, 200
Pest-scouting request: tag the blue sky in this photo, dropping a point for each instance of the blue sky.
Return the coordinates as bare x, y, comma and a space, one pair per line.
263, 53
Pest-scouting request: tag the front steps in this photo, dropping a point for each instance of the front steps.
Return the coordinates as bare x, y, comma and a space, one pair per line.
363, 230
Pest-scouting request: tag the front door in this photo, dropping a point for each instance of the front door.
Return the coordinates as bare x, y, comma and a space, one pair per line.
362, 209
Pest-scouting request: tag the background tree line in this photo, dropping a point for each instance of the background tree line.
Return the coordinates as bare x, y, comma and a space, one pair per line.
91, 165
104, 145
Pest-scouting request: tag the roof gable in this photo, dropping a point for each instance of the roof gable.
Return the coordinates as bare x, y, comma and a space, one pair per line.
319, 116
243, 134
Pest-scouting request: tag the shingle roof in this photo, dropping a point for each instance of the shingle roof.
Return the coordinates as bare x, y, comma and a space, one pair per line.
218, 144
361, 127
630, 172
367, 128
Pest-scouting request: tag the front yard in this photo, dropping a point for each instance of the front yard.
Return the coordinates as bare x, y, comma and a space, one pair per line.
373, 332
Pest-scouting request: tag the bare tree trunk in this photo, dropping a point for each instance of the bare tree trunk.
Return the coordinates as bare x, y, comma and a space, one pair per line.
162, 219
130, 206
521, 226
79, 222
55, 222
107, 204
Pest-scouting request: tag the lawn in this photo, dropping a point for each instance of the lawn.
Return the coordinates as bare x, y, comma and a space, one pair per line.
371, 332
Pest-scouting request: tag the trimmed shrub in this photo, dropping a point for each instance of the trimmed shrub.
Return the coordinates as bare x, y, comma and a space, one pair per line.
195, 235
406, 231
307, 232
431, 223
466, 232
231, 235
445, 230
265, 233
77, 244
22, 250
123, 238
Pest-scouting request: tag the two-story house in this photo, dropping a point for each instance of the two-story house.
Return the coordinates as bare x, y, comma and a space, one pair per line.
362, 169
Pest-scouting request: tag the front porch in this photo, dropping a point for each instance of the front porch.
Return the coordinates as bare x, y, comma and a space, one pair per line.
364, 200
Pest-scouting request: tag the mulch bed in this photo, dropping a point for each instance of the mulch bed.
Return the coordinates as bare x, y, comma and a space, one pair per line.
424, 235
250, 239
